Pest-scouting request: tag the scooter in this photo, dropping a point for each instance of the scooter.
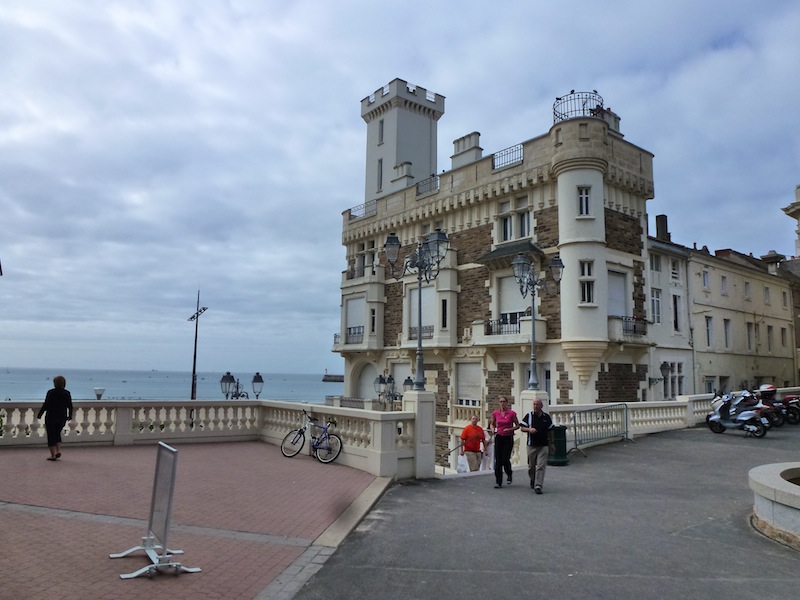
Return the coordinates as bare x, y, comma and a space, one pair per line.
721, 418
771, 416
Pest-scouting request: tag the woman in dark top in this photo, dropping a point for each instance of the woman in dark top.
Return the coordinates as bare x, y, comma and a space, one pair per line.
58, 406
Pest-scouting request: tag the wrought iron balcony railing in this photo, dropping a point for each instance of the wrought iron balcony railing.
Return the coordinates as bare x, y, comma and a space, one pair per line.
634, 326
429, 185
427, 332
578, 104
506, 157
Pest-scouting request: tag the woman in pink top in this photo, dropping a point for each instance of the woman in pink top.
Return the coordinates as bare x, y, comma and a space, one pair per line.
504, 424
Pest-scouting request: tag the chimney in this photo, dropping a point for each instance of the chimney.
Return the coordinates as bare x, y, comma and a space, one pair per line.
662, 233
773, 260
466, 150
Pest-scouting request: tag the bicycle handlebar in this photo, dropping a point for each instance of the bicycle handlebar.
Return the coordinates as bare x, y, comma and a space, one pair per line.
314, 419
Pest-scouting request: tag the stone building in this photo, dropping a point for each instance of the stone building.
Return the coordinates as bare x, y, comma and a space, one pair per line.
577, 191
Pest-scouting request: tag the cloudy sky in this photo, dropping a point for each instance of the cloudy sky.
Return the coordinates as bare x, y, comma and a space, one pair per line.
151, 149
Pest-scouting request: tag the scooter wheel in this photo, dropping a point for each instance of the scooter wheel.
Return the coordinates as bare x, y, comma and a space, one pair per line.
758, 430
716, 426
776, 419
793, 415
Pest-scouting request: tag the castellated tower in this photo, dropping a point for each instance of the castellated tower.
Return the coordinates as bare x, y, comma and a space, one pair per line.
401, 137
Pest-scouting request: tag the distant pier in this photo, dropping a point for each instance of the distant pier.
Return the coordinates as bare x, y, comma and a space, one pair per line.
333, 378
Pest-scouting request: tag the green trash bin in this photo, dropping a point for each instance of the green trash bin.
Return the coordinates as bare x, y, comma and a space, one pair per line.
558, 450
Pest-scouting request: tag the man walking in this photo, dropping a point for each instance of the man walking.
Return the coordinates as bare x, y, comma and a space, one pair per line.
537, 425
471, 439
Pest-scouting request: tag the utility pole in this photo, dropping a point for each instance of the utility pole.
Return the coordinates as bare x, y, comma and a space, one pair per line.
196, 318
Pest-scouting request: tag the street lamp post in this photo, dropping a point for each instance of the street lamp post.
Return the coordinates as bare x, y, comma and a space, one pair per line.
426, 259
196, 318
526, 276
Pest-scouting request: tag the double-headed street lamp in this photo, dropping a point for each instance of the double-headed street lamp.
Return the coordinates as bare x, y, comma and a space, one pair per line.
526, 276
231, 388
426, 259
387, 390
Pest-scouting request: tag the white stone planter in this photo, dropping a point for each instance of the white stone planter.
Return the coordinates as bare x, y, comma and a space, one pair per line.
776, 508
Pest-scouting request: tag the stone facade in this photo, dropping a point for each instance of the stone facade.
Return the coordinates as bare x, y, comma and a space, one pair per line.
620, 382
472, 244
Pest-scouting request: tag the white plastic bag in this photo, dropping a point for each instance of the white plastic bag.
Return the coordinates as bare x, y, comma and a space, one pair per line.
461, 464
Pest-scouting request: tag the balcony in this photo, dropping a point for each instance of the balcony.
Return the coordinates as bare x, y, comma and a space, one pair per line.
362, 211
427, 332
428, 186
578, 104
506, 158
627, 329
354, 335
504, 331
507, 323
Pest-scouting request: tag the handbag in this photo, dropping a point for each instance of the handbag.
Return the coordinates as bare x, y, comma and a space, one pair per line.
461, 464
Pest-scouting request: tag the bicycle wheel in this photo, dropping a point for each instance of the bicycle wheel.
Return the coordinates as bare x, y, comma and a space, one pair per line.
293, 442
328, 451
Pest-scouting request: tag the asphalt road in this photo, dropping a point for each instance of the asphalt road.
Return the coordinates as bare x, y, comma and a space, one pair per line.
666, 516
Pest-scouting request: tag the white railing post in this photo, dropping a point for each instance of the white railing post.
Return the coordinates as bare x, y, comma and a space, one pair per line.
423, 403
123, 426
383, 451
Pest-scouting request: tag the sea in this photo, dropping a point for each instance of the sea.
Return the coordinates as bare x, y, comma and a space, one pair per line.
32, 384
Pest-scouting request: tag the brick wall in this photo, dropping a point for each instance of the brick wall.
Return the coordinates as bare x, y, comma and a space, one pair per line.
442, 440
441, 435
393, 313
618, 382
563, 384
623, 232
441, 390
472, 243
546, 228
639, 298
474, 300
499, 383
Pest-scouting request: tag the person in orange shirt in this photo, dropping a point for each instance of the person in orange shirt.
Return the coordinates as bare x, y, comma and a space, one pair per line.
471, 439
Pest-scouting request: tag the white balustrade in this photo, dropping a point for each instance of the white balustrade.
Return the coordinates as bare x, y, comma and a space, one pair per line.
379, 442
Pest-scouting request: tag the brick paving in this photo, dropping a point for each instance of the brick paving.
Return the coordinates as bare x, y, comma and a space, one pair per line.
244, 514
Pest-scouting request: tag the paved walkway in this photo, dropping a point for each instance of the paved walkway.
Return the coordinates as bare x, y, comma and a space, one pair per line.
664, 517
256, 523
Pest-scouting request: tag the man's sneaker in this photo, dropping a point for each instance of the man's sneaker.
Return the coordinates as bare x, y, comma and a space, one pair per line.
509, 480
538, 489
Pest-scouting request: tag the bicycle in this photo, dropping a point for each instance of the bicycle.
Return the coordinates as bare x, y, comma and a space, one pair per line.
326, 446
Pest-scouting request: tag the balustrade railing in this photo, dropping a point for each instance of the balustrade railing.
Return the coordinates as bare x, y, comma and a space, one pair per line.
381, 443
354, 335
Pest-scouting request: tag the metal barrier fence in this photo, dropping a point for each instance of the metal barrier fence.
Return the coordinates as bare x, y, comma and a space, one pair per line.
600, 423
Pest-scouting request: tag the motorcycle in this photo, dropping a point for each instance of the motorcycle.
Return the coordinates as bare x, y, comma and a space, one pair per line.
788, 406
723, 417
